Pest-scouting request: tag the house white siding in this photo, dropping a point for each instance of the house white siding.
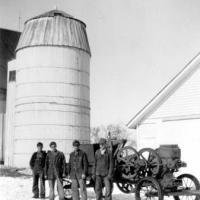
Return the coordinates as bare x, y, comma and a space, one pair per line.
185, 133
185, 101
147, 136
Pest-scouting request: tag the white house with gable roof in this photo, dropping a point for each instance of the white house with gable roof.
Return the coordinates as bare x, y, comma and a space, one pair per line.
173, 117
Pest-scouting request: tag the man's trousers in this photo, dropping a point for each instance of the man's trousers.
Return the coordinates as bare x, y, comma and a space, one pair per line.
36, 177
76, 183
59, 188
99, 183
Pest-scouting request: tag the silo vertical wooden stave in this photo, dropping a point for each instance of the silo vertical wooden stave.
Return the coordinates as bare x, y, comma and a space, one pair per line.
52, 85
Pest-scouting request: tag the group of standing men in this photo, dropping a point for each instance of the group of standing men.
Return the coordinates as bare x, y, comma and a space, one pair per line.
52, 166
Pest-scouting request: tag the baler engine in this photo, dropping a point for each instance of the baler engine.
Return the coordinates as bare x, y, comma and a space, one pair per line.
170, 156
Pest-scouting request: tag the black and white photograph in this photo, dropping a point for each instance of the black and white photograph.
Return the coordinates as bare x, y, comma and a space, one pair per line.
99, 99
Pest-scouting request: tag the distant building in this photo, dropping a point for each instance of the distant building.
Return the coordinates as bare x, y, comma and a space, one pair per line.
8, 43
173, 116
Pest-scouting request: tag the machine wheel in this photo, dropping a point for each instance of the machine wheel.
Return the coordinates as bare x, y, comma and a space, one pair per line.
126, 187
126, 153
148, 188
190, 182
152, 162
67, 189
127, 161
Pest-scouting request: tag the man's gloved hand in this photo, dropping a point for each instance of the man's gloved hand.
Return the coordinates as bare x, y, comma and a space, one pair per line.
45, 177
83, 176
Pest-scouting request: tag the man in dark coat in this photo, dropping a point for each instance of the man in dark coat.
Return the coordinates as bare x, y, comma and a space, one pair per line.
78, 166
103, 171
37, 164
55, 170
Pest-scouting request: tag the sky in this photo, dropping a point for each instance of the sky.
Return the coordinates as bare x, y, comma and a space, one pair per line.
137, 46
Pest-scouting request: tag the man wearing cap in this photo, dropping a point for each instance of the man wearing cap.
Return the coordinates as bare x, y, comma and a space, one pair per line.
78, 166
55, 170
103, 171
37, 163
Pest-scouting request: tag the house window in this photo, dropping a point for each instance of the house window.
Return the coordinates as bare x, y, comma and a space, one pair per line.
12, 76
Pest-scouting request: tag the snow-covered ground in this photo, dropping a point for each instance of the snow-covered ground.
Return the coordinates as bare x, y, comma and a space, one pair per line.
16, 185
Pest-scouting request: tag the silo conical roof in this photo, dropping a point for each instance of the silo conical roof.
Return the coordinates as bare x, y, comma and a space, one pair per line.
52, 13
54, 28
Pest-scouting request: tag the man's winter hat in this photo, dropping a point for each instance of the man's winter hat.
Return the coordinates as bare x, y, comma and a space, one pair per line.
52, 143
76, 143
102, 141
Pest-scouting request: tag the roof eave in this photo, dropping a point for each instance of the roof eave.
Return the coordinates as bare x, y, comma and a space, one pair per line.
164, 93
